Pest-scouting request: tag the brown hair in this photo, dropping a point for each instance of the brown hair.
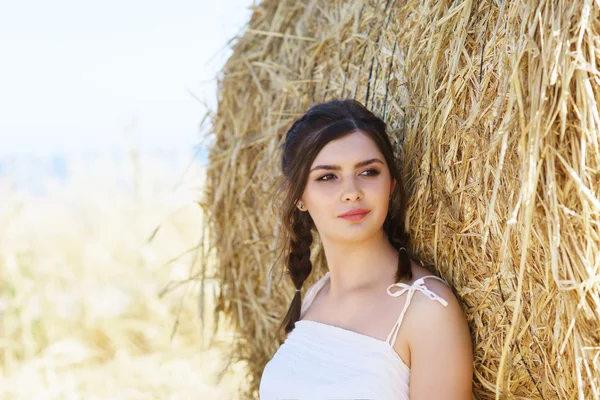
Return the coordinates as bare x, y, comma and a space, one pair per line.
306, 137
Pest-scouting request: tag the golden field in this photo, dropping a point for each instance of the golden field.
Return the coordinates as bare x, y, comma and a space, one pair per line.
95, 296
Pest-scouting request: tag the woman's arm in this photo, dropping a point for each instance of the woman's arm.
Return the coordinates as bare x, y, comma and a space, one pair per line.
441, 352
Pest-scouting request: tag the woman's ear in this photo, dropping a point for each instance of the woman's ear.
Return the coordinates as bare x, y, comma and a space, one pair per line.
393, 186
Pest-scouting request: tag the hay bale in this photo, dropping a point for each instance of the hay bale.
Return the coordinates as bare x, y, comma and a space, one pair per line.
492, 107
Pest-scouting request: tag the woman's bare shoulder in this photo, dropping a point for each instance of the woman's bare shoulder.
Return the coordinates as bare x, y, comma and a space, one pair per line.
439, 340
427, 306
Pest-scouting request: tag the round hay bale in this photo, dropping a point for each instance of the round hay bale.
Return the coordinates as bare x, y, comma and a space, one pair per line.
493, 109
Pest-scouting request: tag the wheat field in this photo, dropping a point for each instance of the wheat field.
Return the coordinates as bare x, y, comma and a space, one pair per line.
95, 296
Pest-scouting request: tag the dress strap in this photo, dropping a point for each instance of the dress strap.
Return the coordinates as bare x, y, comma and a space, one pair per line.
419, 284
311, 293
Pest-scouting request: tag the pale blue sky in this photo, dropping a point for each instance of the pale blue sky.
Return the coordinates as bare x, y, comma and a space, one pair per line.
78, 75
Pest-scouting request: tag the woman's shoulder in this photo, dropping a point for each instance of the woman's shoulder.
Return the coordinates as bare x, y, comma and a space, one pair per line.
448, 355
431, 282
433, 302
425, 310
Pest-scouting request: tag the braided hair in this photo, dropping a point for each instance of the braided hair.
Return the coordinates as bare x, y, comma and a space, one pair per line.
306, 137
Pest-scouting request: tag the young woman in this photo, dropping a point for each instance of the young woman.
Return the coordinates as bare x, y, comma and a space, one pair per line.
354, 336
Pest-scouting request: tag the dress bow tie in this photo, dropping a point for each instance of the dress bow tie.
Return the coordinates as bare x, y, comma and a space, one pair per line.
417, 285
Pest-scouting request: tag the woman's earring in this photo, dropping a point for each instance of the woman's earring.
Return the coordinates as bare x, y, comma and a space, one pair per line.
301, 205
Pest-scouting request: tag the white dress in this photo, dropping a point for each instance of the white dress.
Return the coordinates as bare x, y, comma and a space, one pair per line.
318, 361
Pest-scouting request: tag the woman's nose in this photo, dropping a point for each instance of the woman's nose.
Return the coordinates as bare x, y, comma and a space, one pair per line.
351, 190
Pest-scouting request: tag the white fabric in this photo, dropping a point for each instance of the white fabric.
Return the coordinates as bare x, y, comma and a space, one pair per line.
318, 361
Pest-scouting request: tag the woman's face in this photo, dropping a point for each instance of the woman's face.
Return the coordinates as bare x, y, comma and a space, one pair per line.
337, 185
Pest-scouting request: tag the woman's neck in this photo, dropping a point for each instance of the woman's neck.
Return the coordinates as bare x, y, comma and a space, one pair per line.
359, 266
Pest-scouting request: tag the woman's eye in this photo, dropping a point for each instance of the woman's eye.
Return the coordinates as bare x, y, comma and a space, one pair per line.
371, 172
323, 177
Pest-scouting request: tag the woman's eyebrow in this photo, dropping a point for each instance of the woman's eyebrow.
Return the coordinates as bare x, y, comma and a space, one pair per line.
357, 165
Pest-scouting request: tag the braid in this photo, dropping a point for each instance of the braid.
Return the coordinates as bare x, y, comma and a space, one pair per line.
299, 266
399, 238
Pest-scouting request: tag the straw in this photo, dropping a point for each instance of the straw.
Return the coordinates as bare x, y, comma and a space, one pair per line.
493, 110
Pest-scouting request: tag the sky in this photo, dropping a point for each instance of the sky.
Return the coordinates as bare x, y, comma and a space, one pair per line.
81, 75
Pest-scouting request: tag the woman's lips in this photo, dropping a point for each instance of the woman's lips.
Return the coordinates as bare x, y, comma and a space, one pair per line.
355, 217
